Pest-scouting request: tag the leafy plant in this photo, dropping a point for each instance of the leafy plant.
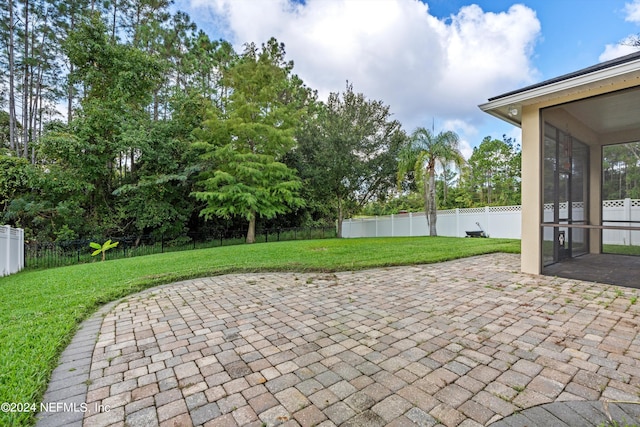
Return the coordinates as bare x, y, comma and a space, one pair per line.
102, 248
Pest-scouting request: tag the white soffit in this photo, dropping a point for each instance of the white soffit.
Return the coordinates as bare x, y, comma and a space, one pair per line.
499, 106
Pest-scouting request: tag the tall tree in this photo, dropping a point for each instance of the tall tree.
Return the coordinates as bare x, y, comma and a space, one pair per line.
12, 96
621, 171
69, 15
422, 156
245, 142
27, 39
25, 84
494, 172
118, 81
350, 151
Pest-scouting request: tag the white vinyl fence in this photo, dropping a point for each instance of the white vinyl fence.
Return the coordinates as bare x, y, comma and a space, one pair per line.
621, 210
11, 250
496, 221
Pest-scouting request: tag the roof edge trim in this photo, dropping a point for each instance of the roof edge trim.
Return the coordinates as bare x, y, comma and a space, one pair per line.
556, 87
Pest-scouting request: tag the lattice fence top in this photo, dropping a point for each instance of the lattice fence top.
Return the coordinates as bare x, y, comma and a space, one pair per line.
613, 203
498, 209
620, 203
471, 211
507, 209
564, 205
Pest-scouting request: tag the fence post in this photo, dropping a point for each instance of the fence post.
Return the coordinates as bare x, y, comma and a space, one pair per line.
392, 228
410, 224
457, 222
627, 217
20, 246
486, 215
8, 250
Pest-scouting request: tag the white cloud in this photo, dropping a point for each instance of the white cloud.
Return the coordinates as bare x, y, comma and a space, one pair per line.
625, 47
394, 51
465, 131
612, 51
632, 11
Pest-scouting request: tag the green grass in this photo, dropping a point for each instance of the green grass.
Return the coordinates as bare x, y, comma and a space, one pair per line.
40, 310
621, 249
59, 255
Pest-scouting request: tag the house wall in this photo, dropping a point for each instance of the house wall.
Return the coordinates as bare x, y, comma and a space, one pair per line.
531, 257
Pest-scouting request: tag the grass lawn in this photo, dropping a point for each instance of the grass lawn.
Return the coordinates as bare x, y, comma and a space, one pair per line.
621, 249
40, 310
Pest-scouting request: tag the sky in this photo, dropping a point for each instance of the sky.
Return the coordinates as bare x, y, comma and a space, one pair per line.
432, 61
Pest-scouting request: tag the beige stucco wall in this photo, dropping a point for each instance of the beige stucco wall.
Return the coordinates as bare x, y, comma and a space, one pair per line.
531, 257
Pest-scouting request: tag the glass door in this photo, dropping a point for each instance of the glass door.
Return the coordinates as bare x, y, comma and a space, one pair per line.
565, 172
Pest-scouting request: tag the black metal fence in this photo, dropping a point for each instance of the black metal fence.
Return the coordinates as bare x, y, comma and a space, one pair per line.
57, 254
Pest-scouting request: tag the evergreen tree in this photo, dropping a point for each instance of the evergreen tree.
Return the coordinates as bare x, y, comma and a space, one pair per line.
246, 140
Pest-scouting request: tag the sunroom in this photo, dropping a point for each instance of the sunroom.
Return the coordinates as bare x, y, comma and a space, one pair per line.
580, 171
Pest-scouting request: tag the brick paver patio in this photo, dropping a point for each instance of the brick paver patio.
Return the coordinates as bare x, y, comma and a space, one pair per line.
465, 342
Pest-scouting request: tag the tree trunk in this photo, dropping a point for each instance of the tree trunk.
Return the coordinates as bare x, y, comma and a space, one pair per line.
133, 163
12, 99
445, 188
25, 86
37, 101
70, 87
115, 14
155, 105
425, 196
70, 98
433, 212
340, 218
251, 232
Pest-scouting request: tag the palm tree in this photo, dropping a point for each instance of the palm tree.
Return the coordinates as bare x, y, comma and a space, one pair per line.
421, 156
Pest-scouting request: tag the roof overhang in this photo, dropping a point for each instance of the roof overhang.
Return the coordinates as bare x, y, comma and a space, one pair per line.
508, 107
